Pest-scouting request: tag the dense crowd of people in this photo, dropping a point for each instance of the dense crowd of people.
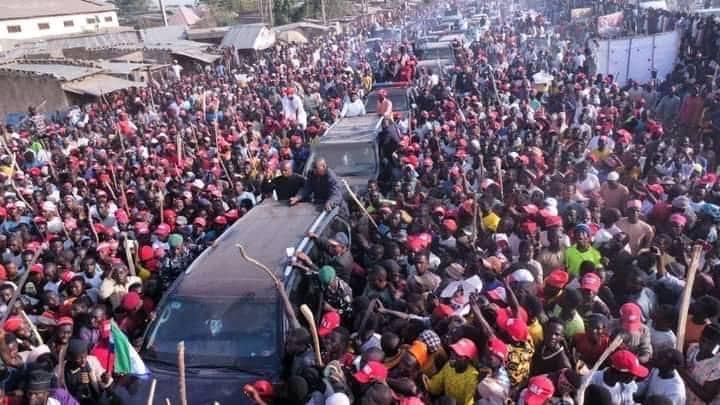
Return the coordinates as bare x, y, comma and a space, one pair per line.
517, 235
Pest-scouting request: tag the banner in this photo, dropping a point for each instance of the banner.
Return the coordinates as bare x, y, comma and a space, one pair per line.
610, 24
657, 5
577, 14
637, 57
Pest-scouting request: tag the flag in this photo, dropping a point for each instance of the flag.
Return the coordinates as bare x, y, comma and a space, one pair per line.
127, 360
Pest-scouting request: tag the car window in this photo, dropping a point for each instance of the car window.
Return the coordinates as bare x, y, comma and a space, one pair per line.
221, 330
356, 159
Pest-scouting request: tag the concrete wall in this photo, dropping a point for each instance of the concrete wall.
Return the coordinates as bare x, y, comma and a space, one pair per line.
21, 91
29, 27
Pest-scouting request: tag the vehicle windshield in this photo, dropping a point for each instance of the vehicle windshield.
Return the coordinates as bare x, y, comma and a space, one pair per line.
222, 332
436, 53
356, 159
398, 99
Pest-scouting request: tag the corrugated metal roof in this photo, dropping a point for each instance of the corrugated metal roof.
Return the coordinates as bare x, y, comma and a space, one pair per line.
99, 84
206, 33
157, 35
183, 16
19, 9
198, 54
249, 36
121, 68
57, 70
303, 25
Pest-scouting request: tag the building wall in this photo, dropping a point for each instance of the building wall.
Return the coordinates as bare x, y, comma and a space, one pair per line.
30, 27
21, 91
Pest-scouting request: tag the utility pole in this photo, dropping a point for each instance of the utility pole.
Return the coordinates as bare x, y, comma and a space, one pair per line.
270, 12
164, 13
322, 7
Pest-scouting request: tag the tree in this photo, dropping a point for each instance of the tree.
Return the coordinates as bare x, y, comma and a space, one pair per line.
131, 6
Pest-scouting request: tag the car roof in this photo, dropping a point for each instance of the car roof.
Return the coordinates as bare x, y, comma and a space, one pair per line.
435, 45
362, 128
264, 232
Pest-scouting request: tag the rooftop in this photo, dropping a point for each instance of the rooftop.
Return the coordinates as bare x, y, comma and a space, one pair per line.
62, 70
19, 9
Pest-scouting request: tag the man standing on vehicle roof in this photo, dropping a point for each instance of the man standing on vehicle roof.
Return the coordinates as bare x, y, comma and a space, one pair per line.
384, 105
322, 185
353, 107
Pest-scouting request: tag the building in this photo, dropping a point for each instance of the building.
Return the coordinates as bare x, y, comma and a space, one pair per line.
58, 84
29, 19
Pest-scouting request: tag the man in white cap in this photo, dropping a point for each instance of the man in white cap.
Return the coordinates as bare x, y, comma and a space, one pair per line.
613, 192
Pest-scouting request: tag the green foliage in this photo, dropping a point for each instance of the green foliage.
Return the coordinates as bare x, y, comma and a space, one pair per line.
131, 6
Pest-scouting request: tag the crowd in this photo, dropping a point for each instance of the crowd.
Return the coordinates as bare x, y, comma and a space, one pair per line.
519, 231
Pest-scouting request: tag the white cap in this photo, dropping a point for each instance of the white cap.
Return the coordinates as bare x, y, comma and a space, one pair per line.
337, 398
613, 176
522, 276
49, 206
550, 202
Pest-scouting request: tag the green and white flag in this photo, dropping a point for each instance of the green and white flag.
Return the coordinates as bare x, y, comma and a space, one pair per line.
127, 360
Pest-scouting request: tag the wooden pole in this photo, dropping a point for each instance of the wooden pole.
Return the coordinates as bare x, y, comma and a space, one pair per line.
289, 311
151, 396
92, 225
33, 329
687, 293
617, 342
181, 368
129, 256
310, 318
498, 163
359, 204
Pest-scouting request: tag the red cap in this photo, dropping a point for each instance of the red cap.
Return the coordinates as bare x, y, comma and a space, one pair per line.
540, 389
146, 253
163, 230
330, 321
678, 219
631, 316
591, 281
220, 220
122, 217
372, 371
450, 225
13, 324
557, 278
553, 221
131, 301
65, 320
516, 329
66, 276
656, 188
529, 227
498, 348
626, 361
264, 388
36, 268
415, 244
200, 221
443, 311
465, 348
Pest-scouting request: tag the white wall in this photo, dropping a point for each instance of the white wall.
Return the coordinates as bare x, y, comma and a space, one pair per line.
30, 29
